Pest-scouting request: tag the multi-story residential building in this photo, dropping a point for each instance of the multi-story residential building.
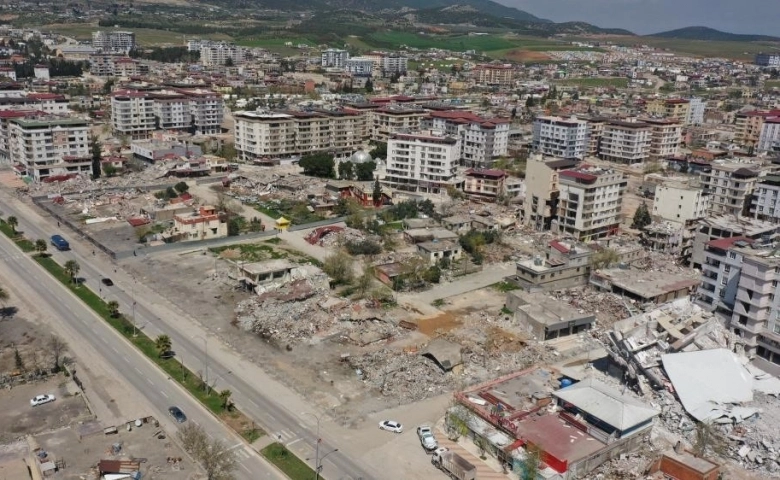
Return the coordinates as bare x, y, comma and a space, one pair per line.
481, 140
665, 137
672, 108
113, 41
720, 274
132, 114
362, 66
680, 202
394, 63
595, 134
5, 120
727, 226
542, 192
386, 121
769, 138
749, 126
625, 141
766, 196
215, 54
730, 186
485, 184
171, 111
287, 134
696, 109
561, 137
422, 162
590, 202
497, 75
51, 103
768, 59
334, 58
47, 146
207, 110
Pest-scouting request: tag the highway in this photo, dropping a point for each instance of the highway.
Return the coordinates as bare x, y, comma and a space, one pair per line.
270, 405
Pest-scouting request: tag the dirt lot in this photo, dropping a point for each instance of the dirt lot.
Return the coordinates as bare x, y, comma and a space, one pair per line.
18, 418
526, 55
17, 333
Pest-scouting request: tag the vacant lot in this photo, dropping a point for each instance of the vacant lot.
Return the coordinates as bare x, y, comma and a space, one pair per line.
617, 82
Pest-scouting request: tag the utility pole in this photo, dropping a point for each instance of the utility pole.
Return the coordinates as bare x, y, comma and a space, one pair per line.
317, 465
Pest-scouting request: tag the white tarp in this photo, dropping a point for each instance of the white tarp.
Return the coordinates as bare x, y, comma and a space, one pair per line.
709, 383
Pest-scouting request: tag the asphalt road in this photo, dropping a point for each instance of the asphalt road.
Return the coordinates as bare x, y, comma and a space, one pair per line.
249, 395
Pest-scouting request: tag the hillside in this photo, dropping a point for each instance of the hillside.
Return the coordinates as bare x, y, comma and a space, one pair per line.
710, 34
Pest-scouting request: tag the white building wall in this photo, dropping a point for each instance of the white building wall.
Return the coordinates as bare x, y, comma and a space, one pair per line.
680, 204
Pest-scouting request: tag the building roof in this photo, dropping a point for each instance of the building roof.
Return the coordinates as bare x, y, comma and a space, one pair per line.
485, 172
607, 404
445, 353
268, 266
563, 163
726, 243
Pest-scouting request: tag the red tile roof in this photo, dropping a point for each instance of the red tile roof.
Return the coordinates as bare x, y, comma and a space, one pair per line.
587, 177
726, 243
559, 246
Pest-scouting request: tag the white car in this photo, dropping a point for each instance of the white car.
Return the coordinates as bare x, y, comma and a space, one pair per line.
391, 426
427, 440
41, 399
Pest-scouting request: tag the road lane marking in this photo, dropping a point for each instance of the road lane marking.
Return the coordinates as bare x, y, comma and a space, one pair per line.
126, 359
245, 467
253, 403
293, 442
150, 382
103, 338
136, 369
114, 349
164, 394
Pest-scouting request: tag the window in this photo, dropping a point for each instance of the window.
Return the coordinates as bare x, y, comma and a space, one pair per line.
732, 254
726, 268
776, 328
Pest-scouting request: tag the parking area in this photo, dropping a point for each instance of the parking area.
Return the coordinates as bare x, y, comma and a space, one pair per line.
18, 418
83, 447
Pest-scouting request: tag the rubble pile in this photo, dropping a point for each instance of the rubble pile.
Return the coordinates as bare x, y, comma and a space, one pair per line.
408, 377
344, 236
367, 332
608, 307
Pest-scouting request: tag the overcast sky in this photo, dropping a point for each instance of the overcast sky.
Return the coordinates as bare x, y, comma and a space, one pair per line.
653, 16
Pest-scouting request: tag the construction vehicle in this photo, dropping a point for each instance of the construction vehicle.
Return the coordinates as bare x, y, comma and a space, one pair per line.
457, 467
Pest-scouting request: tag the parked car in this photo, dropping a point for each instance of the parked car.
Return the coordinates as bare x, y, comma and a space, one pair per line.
107, 282
391, 426
177, 414
41, 399
427, 440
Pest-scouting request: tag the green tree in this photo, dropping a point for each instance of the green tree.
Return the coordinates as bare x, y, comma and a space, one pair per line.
72, 268
365, 171
346, 170
224, 397
369, 86
41, 246
162, 343
109, 170
181, 187
338, 266
379, 150
531, 463
376, 195
604, 258
642, 217
97, 155
13, 222
113, 308
318, 165
18, 360
228, 62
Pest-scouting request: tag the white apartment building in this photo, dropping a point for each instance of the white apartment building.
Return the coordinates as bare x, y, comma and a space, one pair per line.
384, 122
730, 186
625, 142
47, 146
481, 140
51, 103
359, 66
766, 196
132, 114
770, 134
590, 202
679, 202
113, 41
171, 111
542, 193
720, 274
394, 63
334, 58
207, 111
276, 134
423, 162
216, 54
665, 137
561, 137
696, 108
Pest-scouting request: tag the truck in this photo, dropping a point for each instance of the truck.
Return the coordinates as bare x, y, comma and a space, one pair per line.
457, 467
59, 242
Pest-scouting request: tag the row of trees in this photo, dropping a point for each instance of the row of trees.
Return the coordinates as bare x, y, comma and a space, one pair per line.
323, 165
357, 171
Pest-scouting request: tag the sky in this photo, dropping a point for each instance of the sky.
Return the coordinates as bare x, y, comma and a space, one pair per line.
653, 16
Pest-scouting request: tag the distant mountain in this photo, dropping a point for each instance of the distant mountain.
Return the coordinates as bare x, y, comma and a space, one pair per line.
706, 33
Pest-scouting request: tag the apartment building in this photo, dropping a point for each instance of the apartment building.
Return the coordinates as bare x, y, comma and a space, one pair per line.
680, 202
207, 110
50, 103
494, 75
46, 146
485, 183
109, 65
481, 140
561, 137
361, 66
768, 59
424, 162
594, 134
132, 114
216, 54
5, 120
730, 185
334, 58
287, 134
672, 108
626, 142
727, 226
696, 108
749, 126
590, 202
769, 138
542, 191
720, 274
665, 137
113, 41
386, 121
171, 111
394, 63
766, 194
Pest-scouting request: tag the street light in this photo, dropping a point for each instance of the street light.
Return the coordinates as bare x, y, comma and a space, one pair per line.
317, 464
319, 467
132, 293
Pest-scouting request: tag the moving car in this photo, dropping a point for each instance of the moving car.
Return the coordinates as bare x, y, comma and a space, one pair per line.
427, 440
41, 399
177, 414
107, 282
391, 426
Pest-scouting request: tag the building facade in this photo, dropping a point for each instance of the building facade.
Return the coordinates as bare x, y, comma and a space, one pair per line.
137, 113
730, 186
113, 41
766, 195
481, 140
625, 142
494, 75
680, 203
361, 66
749, 126
665, 137
334, 58
591, 199
769, 138
767, 59
422, 162
216, 54
561, 137
394, 63
48, 146
542, 190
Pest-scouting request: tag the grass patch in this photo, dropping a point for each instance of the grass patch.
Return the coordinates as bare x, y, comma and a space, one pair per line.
270, 211
252, 252
617, 82
505, 286
175, 369
292, 466
771, 84
26, 245
275, 240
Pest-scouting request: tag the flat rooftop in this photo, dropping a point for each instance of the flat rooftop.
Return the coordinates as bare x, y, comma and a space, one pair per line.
648, 284
549, 311
515, 391
745, 226
558, 438
269, 266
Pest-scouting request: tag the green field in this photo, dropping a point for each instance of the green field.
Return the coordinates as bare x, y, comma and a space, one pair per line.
595, 82
144, 36
771, 84
697, 48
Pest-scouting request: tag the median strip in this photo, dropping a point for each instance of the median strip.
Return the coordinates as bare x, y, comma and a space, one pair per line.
287, 462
